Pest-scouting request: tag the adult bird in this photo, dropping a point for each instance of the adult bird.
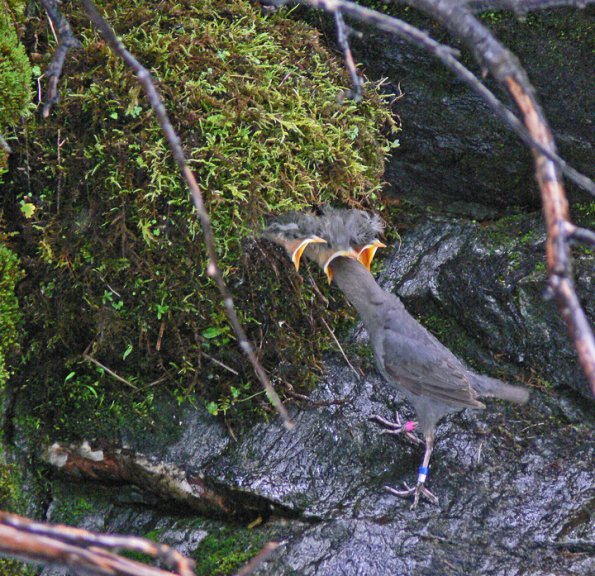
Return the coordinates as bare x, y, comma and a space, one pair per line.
432, 378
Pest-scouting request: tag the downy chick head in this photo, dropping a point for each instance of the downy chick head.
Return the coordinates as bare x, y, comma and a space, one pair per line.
295, 231
356, 228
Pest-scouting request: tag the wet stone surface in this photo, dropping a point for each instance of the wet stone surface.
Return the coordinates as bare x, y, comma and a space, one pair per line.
455, 154
514, 483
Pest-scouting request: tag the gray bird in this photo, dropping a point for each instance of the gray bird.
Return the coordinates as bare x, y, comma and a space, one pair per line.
432, 378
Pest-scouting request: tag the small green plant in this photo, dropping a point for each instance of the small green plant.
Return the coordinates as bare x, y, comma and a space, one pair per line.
236, 396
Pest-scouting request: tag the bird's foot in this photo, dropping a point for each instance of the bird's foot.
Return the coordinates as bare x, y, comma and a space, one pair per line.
396, 428
419, 490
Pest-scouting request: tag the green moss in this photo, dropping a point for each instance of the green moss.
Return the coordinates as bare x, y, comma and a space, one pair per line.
225, 550
16, 568
583, 213
9, 487
10, 315
153, 535
492, 17
116, 261
540, 267
15, 69
15, 75
72, 510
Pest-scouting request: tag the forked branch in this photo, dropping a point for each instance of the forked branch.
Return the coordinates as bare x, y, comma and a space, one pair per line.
87, 552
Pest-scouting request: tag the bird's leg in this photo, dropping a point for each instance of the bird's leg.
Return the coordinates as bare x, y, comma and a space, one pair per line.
396, 428
420, 489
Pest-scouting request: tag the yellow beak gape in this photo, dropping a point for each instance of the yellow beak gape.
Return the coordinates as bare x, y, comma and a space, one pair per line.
345, 253
296, 255
367, 253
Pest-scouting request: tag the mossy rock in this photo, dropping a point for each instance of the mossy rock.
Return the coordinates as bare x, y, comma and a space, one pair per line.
15, 74
224, 551
114, 253
15, 69
10, 315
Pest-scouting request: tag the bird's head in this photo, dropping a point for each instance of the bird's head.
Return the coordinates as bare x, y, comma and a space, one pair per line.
295, 231
354, 228
335, 233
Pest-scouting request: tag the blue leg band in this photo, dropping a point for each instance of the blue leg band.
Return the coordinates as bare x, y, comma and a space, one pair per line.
423, 474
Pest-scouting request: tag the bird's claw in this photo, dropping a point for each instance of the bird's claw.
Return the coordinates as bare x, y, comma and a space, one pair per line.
396, 428
419, 490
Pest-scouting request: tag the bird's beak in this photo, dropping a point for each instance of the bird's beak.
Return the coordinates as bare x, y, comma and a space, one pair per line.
298, 248
367, 253
345, 253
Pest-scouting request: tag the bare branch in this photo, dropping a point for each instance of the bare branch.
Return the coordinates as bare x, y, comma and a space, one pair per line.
343, 40
357, 374
582, 235
91, 553
268, 549
146, 81
66, 41
80, 549
110, 372
506, 68
523, 6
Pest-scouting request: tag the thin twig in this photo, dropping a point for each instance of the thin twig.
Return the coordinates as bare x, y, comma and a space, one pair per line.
358, 375
110, 372
66, 41
317, 289
146, 81
317, 403
218, 362
582, 235
521, 7
343, 40
267, 550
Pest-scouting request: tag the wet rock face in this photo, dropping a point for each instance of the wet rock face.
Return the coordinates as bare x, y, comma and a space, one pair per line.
455, 154
513, 482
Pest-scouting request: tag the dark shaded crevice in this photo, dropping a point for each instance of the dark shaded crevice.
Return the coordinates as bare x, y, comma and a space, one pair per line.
162, 484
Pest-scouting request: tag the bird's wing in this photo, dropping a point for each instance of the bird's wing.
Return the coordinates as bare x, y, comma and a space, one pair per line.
422, 365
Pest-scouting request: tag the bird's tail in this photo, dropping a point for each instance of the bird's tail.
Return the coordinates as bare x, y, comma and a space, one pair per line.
487, 386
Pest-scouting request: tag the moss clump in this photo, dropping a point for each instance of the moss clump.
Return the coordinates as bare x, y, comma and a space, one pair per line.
10, 315
15, 75
114, 250
225, 550
15, 72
